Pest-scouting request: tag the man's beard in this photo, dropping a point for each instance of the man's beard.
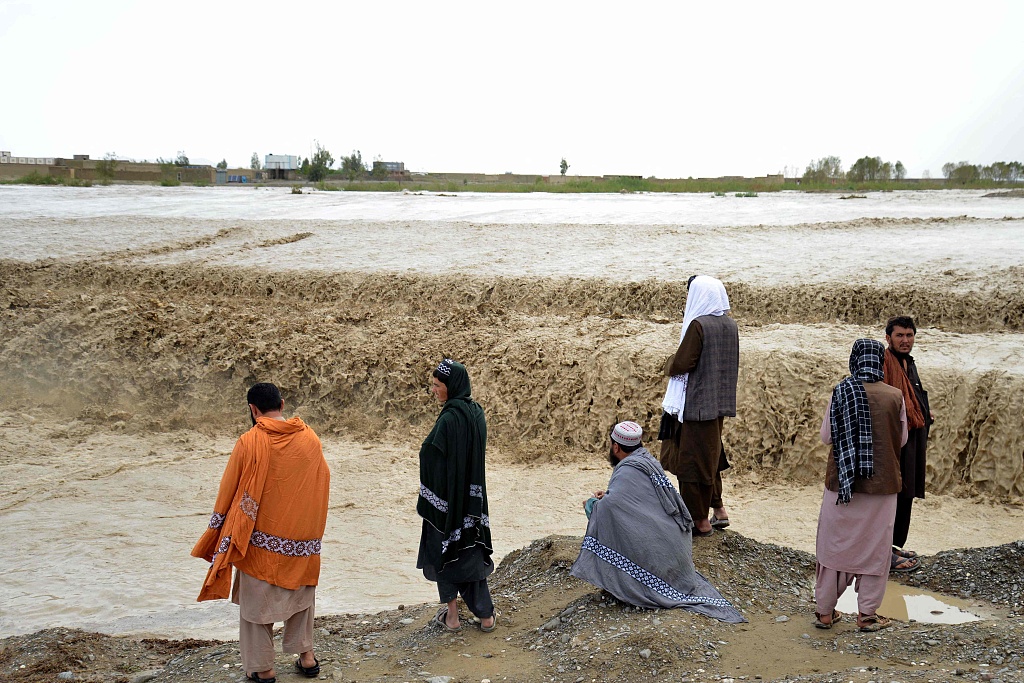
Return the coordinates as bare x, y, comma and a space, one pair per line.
612, 460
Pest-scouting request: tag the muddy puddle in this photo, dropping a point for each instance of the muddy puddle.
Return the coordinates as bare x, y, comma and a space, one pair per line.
906, 603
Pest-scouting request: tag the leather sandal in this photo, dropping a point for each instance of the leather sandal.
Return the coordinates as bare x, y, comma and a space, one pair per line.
486, 629
254, 676
872, 623
837, 616
441, 620
308, 671
903, 565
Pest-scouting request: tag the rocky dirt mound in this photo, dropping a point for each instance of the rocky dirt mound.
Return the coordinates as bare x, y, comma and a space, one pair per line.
70, 654
555, 628
992, 574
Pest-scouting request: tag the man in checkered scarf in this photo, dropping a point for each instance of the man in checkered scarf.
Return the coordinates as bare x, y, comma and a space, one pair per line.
851, 418
866, 423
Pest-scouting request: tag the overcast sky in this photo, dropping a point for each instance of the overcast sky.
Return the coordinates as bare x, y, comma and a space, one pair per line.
669, 89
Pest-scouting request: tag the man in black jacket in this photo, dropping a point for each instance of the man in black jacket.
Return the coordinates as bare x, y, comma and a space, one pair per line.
901, 372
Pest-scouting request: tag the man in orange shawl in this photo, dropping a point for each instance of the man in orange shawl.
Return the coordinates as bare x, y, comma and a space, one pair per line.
268, 522
901, 372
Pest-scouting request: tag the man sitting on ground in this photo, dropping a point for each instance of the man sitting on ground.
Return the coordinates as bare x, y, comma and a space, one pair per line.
639, 544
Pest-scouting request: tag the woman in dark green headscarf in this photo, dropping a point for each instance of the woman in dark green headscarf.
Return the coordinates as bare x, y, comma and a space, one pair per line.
455, 544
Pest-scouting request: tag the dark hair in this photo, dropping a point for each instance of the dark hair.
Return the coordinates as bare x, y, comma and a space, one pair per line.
900, 321
628, 449
265, 396
690, 282
443, 378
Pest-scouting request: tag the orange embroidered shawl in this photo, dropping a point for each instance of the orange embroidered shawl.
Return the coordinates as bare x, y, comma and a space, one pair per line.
896, 376
271, 510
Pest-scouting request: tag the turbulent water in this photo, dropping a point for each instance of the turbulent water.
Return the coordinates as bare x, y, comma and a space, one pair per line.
154, 309
564, 320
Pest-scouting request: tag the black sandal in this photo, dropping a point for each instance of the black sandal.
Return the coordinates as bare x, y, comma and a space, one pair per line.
256, 677
308, 671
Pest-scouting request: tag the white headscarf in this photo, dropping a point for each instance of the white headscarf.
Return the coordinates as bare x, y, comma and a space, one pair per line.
706, 297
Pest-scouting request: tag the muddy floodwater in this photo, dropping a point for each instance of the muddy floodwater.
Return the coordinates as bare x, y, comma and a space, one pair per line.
132, 319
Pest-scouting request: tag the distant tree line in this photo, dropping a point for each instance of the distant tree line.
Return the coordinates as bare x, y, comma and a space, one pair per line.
320, 166
873, 169
965, 173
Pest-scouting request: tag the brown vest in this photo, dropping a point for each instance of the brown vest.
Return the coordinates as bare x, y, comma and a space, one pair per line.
711, 387
884, 402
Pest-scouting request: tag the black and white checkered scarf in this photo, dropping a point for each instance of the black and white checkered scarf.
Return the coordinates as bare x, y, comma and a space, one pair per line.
850, 417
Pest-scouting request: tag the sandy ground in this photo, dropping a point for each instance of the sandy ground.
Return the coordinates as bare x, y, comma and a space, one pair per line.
115, 515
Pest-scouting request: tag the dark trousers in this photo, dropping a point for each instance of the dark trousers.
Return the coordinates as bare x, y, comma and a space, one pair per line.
716, 492
700, 498
476, 594
902, 526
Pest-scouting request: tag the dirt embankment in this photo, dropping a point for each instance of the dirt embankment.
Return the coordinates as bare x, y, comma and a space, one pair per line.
554, 361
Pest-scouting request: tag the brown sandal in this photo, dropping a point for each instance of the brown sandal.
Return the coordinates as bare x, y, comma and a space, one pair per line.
837, 616
872, 623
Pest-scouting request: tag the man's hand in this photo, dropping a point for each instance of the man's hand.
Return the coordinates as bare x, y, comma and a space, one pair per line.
599, 494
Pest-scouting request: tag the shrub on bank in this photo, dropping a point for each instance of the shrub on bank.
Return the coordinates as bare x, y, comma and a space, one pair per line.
35, 178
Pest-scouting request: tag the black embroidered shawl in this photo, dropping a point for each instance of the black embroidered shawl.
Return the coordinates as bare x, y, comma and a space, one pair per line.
453, 491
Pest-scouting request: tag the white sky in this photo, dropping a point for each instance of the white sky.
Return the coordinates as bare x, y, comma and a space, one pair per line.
670, 89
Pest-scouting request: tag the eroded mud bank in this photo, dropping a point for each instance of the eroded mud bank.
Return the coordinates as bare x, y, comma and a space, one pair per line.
555, 361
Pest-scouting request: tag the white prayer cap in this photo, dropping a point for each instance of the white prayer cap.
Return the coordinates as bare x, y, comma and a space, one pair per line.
627, 434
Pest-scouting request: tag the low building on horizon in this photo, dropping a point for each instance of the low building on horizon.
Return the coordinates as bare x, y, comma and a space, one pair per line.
281, 166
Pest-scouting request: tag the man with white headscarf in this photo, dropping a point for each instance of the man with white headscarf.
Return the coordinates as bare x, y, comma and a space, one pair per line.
701, 392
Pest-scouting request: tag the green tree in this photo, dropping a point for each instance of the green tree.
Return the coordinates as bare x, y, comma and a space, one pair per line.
824, 170
352, 166
966, 173
105, 168
304, 167
222, 164
865, 168
899, 171
181, 159
254, 162
564, 166
961, 173
320, 164
885, 171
